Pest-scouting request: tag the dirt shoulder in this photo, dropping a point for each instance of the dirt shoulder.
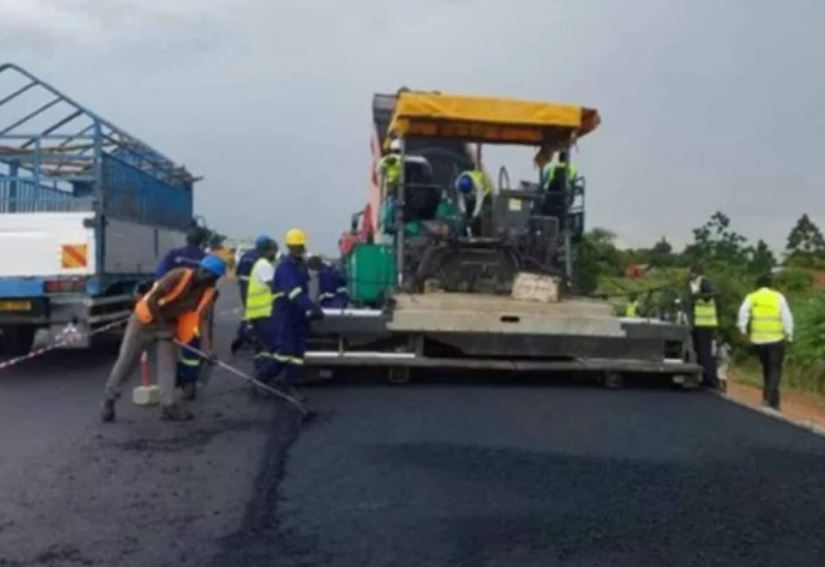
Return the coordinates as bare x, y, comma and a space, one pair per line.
802, 407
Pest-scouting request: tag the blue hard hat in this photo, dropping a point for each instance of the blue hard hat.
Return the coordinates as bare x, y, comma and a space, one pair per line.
263, 242
214, 265
465, 184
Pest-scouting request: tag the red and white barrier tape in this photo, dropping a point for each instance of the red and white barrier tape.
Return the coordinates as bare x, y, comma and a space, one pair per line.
69, 335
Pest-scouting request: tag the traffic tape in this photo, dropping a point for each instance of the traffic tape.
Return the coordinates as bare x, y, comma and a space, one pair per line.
72, 335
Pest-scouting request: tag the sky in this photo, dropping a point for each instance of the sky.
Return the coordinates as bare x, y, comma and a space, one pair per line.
706, 104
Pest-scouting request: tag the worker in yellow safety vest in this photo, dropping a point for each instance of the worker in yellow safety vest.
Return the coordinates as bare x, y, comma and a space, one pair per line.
552, 178
389, 174
474, 190
766, 320
704, 320
260, 300
632, 309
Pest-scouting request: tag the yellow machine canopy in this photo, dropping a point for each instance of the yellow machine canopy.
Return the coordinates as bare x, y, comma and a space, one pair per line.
491, 120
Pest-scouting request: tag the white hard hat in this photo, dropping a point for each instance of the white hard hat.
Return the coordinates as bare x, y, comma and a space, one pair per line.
395, 145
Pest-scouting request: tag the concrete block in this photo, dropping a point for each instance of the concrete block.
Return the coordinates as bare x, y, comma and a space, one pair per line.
146, 395
536, 288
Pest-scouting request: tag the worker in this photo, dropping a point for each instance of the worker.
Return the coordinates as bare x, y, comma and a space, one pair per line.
475, 189
632, 309
293, 312
389, 174
552, 178
766, 320
704, 321
259, 302
263, 244
189, 365
159, 317
187, 256
332, 283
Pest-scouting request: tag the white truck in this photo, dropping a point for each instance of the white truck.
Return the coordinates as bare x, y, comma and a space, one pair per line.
86, 211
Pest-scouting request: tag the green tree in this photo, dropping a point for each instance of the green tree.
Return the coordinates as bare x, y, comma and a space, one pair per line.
596, 256
716, 241
806, 245
762, 260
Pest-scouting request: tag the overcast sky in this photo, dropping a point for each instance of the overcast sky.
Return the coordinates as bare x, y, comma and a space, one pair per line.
705, 104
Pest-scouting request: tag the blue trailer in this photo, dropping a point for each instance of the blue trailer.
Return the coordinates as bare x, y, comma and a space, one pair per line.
86, 211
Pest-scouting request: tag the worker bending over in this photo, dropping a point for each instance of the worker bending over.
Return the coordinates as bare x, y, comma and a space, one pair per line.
475, 190
332, 283
160, 316
188, 256
263, 244
293, 312
766, 320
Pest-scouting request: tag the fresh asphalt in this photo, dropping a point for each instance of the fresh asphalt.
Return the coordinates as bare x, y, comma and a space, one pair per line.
430, 473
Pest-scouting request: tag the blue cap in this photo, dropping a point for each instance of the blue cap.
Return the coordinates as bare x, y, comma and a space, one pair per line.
465, 184
263, 242
214, 265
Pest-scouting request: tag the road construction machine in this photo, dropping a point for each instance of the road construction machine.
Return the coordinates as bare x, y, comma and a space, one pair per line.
445, 279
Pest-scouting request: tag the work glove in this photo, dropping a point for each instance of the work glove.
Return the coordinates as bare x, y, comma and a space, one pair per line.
315, 314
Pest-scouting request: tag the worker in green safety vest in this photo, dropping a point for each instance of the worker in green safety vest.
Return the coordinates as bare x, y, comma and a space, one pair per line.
704, 320
632, 309
260, 298
766, 320
552, 177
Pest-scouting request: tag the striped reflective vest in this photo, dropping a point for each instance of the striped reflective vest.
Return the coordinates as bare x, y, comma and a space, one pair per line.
766, 316
632, 309
142, 311
189, 324
704, 313
259, 296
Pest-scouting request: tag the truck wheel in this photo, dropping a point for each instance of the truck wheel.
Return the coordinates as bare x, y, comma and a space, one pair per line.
613, 381
18, 341
398, 375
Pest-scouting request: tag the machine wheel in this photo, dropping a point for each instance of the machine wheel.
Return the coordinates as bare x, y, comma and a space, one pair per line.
398, 375
18, 341
613, 381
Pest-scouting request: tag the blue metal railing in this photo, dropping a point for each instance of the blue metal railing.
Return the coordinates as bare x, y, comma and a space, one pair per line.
23, 196
61, 156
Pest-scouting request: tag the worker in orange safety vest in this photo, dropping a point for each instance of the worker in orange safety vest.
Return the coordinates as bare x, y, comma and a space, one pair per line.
175, 307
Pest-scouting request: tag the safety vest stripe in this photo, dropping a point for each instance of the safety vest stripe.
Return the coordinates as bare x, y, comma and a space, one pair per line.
243, 278
342, 290
296, 291
189, 361
326, 295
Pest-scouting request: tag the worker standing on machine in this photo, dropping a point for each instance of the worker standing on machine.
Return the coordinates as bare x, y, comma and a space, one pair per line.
704, 321
157, 319
243, 270
552, 178
293, 309
389, 174
766, 320
632, 309
332, 283
475, 190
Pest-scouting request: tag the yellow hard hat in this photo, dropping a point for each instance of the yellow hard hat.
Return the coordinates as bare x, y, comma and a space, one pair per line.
296, 237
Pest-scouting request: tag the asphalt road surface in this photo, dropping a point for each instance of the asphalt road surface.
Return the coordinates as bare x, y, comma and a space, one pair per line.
424, 474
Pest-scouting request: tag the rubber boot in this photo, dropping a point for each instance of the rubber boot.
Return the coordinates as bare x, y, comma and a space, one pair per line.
189, 390
107, 411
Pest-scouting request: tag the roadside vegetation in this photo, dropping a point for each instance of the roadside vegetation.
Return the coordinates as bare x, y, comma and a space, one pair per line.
658, 277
